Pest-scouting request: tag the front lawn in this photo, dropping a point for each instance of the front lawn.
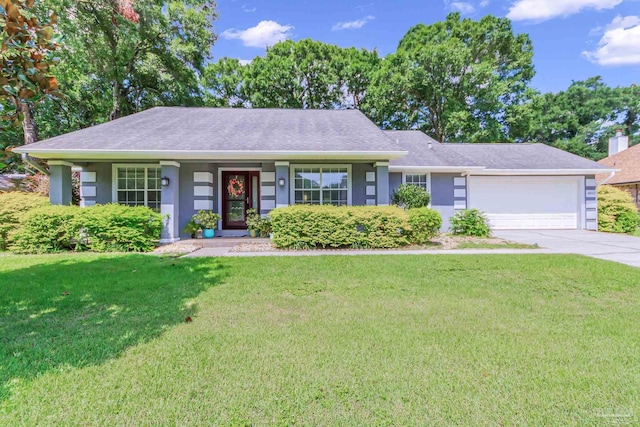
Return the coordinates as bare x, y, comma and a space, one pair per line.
380, 340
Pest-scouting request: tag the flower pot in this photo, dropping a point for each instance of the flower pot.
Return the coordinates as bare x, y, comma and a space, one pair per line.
209, 233
252, 233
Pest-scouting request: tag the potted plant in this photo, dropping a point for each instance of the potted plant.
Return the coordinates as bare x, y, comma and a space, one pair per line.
208, 220
192, 228
265, 227
253, 222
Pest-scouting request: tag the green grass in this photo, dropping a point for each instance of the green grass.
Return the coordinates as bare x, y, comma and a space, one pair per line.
505, 245
380, 340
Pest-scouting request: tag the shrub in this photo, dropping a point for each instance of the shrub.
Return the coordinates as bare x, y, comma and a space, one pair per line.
118, 228
13, 207
46, 230
425, 224
207, 219
617, 213
100, 228
339, 227
470, 222
411, 196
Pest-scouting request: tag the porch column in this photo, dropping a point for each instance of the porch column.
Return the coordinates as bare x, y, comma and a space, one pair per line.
170, 202
60, 182
382, 183
282, 192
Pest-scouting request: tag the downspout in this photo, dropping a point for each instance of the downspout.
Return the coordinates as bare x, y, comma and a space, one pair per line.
34, 164
611, 175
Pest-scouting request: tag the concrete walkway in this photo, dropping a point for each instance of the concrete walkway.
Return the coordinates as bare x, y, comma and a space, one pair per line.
611, 247
226, 252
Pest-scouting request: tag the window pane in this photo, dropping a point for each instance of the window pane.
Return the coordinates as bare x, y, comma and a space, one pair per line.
133, 184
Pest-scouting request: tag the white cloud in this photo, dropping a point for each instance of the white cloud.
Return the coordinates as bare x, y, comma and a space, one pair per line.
542, 10
266, 33
353, 25
484, 3
620, 43
248, 9
245, 61
463, 7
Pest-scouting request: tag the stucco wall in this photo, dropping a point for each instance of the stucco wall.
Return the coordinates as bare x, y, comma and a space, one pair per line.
101, 186
442, 193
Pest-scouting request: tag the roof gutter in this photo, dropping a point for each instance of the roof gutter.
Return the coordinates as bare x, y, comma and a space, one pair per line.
34, 163
83, 155
541, 172
440, 169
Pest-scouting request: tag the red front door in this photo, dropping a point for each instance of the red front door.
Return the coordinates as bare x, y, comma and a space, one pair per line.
240, 192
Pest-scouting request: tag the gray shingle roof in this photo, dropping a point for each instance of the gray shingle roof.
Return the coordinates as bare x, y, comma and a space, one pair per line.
489, 156
522, 156
420, 155
219, 129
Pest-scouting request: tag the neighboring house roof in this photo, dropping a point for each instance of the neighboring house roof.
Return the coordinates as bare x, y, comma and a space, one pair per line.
628, 161
489, 158
221, 133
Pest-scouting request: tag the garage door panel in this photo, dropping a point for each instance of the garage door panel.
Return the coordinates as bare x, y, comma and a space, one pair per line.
526, 202
533, 221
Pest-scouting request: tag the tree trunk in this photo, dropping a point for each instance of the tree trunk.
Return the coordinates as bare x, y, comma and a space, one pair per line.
116, 113
28, 124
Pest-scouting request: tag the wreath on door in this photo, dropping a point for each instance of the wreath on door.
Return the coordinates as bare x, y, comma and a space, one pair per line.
235, 187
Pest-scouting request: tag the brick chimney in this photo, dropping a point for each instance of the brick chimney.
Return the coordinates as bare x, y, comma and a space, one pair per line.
618, 143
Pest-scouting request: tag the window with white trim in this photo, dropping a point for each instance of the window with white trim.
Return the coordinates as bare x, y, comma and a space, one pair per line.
420, 180
321, 185
138, 186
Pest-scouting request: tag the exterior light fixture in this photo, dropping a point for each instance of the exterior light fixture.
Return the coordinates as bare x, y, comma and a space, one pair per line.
281, 182
164, 181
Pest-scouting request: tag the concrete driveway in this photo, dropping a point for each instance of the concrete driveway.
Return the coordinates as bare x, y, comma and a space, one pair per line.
612, 247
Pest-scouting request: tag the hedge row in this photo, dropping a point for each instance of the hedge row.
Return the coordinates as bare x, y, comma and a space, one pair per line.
100, 228
307, 227
13, 206
617, 212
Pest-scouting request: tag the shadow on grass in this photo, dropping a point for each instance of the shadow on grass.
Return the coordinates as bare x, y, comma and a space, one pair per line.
61, 312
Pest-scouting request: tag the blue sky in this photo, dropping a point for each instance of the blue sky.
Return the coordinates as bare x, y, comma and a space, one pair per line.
573, 39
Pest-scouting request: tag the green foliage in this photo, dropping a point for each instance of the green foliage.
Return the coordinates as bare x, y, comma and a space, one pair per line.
327, 226
253, 220
118, 228
453, 79
580, 119
207, 219
411, 196
192, 228
470, 222
617, 213
100, 228
13, 206
425, 224
265, 226
46, 230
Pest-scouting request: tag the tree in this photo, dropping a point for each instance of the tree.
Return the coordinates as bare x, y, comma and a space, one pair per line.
295, 75
580, 119
28, 46
356, 69
453, 79
224, 84
149, 52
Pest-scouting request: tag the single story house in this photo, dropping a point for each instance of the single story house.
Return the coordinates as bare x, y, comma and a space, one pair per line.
627, 160
181, 160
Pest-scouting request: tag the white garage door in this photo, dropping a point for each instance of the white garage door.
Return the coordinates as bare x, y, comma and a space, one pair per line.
527, 202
